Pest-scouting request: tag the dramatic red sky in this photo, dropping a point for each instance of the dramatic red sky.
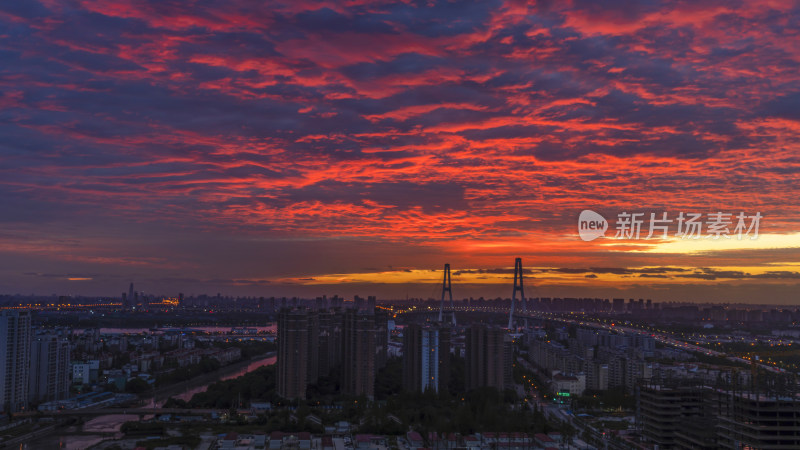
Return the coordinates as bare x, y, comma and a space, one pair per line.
308, 148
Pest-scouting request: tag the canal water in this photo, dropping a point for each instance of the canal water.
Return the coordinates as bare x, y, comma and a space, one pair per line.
204, 329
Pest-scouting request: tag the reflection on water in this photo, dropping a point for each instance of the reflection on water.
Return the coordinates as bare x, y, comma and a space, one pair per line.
109, 426
205, 329
187, 394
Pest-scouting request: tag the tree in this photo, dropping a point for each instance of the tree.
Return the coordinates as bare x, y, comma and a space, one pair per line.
136, 386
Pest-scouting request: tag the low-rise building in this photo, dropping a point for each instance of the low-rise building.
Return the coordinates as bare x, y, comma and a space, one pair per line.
569, 384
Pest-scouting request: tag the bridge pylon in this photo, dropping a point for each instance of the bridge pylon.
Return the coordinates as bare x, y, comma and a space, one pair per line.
518, 286
447, 288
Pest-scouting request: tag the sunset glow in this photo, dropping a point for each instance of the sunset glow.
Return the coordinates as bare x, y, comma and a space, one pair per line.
308, 148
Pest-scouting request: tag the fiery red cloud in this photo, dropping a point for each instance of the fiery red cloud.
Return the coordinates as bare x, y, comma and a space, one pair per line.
298, 147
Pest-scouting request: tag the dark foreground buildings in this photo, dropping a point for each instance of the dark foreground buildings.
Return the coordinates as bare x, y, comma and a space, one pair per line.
15, 357
293, 353
689, 415
359, 352
315, 342
426, 357
489, 358
50, 368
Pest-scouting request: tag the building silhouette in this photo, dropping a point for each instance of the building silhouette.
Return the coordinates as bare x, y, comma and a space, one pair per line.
359, 340
15, 358
329, 341
50, 368
747, 420
313, 343
381, 338
489, 354
689, 414
293, 348
130, 299
426, 358
664, 411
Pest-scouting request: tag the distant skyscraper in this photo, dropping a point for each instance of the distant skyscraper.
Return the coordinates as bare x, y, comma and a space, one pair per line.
426, 358
489, 355
15, 358
292, 353
130, 295
50, 366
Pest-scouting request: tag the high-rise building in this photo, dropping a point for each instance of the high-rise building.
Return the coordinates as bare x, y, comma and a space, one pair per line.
489, 355
358, 353
293, 346
351, 340
445, 346
426, 358
313, 373
329, 341
663, 411
750, 421
596, 375
687, 414
50, 367
381, 338
359, 303
15, 358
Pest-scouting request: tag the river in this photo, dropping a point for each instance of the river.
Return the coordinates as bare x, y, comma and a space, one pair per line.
203, 329
185, 391
96, 430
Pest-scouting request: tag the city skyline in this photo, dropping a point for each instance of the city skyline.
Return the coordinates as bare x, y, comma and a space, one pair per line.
305, 149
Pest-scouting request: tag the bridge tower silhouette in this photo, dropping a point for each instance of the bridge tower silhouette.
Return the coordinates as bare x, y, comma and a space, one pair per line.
446, 288
518, 286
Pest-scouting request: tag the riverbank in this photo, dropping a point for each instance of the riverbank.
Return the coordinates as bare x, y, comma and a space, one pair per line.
101, 428
195, 385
